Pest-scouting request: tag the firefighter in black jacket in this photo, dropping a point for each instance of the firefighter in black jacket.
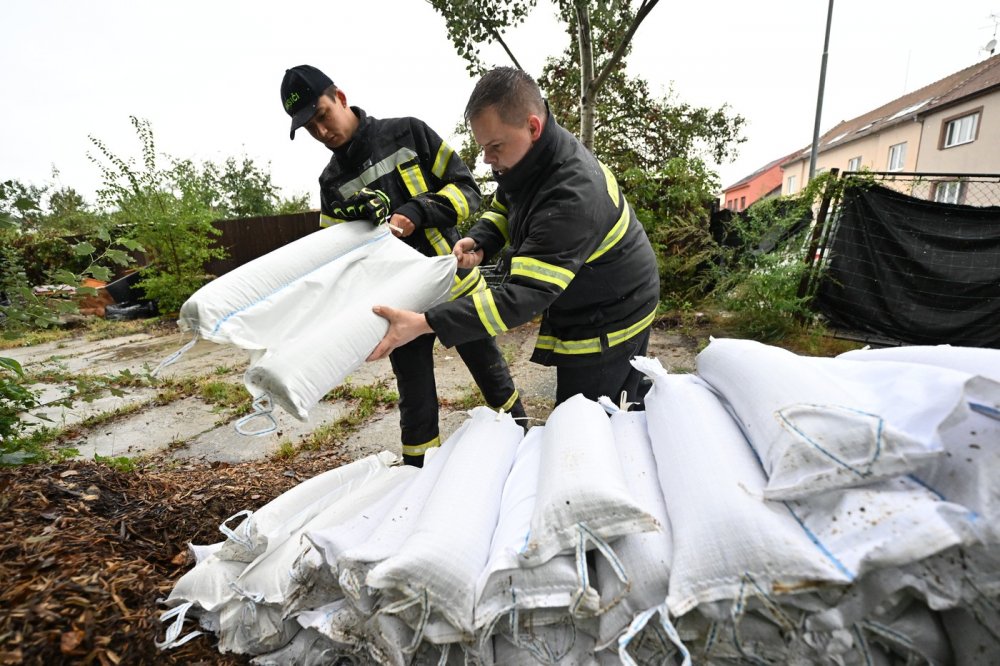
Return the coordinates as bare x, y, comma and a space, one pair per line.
576, 253
397, 170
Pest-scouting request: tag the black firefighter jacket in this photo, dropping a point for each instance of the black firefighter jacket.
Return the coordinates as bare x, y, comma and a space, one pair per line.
422, 176
577, 255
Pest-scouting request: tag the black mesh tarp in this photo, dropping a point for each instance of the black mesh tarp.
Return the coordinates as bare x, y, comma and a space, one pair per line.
917, 271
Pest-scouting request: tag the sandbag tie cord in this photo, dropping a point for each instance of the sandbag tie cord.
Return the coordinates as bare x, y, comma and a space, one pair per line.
244, 538
420, 598
262, 408
173, 636
663, 623
584, 536
173, 358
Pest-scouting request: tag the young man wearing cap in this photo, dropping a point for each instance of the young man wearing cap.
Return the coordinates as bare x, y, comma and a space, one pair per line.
399, 169
575, 251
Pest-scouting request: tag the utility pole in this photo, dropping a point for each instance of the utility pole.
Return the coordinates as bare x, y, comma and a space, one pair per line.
819, 100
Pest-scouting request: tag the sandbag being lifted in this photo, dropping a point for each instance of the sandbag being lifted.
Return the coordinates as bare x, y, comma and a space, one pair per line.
304, 311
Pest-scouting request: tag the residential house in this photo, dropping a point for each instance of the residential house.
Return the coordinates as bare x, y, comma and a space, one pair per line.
763, 183
951, 126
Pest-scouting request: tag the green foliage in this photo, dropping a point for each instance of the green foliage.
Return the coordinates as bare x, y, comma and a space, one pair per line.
118, 463
15, 399
471, 23
673, 208
169, 214
757, 279
636, 128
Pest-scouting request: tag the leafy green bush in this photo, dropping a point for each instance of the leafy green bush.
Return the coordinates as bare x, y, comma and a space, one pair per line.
169, 214
14, 400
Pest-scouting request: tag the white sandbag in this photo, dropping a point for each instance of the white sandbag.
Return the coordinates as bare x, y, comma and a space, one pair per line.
207, 584
887, 524
507, 587
395, 527
304, 310
948, 407
645, 558
249, 628
316, 569
338, 621
553, 644
724, 533
273, 577
273, 522
443, 557
582, 495
308, 648
971, 360
811, 431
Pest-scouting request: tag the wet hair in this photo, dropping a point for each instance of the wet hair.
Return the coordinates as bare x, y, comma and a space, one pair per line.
513, 94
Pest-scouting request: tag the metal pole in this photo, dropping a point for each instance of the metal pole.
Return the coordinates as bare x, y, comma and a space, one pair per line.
819, 100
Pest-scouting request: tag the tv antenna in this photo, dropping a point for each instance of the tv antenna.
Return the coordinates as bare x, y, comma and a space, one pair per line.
991, 46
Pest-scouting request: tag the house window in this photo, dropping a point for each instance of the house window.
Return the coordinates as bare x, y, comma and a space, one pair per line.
743, 203
963, 129
948, 191
791, 184
854, 164
897, 155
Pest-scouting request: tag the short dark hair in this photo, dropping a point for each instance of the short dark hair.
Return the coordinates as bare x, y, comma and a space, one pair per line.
513, 93
331, 92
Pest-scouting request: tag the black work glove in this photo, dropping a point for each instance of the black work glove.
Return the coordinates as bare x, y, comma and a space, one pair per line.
365, 205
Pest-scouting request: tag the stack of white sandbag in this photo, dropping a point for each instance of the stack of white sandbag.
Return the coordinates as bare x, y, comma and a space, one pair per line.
304, 310
823, 510
773, 508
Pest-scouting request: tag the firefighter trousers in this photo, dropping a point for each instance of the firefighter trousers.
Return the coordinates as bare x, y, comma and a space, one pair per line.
608, 377
413, 365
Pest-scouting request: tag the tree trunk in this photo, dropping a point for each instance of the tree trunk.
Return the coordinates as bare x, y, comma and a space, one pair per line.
587, 98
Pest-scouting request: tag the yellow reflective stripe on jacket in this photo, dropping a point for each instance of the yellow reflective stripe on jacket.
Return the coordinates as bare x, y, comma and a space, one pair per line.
437, 241
452, 193
328, 221
413, 178
421, 449
441, 160
499, 221
612, 182
617, 231
486, 308
615, 235
588, 346
541, 271
510, 402
471, 283
499, 206
593, 345
618, 337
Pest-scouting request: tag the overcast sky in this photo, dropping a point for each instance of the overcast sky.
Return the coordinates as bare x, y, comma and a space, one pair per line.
207, 74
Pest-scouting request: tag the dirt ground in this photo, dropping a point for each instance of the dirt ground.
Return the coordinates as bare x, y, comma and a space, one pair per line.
86, 551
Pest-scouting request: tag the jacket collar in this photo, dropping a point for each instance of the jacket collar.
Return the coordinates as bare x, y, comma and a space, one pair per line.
539, 156
356, 151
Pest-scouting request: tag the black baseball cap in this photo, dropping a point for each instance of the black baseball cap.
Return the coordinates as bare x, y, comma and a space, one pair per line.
300, 89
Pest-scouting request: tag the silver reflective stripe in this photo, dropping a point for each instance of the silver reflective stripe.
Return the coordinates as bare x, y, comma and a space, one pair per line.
375, 171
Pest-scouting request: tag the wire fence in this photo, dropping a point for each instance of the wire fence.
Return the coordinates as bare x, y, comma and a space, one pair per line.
952, 188
916, 268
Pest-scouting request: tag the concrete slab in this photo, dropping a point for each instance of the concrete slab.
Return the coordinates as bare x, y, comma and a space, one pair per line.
224, 444
61, 417
151, 430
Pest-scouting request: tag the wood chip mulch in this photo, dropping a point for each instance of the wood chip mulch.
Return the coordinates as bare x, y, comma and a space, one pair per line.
86, 551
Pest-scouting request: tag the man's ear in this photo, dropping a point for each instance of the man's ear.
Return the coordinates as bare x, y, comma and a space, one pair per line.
341, 98
535, 127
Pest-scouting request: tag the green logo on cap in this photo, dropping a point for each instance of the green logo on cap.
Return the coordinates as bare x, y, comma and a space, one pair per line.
292, 99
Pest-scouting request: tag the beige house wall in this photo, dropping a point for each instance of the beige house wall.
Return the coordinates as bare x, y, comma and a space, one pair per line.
980, 156
872, 149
